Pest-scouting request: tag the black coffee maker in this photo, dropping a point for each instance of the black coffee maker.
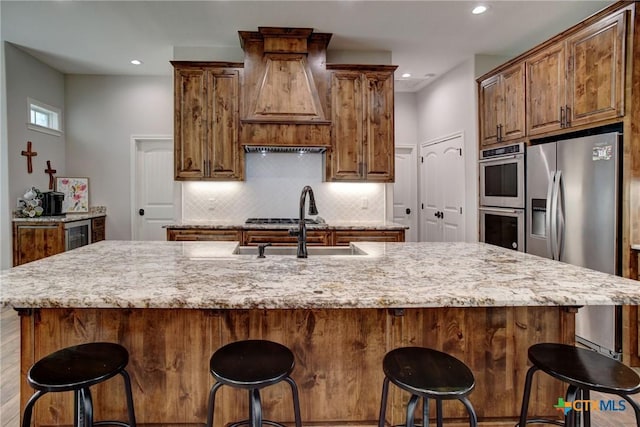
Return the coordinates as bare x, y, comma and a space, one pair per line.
52, 203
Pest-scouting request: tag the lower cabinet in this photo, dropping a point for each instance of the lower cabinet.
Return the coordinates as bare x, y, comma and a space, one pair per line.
282, 238
344, 237
35, 241
195, 234
98, 230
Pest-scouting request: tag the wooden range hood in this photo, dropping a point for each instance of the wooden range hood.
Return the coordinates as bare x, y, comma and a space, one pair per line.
285, 88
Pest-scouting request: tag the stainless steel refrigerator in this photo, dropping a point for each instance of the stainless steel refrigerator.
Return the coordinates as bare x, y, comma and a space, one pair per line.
573, 214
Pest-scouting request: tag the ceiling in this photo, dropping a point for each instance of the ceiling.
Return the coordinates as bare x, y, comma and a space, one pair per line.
423, 37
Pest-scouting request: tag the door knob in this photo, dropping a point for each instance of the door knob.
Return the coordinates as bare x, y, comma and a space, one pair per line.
141, 212
408, 211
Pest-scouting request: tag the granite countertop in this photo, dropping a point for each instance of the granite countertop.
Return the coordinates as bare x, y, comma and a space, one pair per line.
94, 212
331, 225
207, 275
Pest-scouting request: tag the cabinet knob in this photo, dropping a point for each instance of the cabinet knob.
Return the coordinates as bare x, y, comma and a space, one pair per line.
141, 212
408, 211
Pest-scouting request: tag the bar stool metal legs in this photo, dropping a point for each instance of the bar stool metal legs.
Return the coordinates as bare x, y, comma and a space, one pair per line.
429, 374
252, 365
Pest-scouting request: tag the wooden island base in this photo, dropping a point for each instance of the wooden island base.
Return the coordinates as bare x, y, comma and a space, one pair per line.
338, 359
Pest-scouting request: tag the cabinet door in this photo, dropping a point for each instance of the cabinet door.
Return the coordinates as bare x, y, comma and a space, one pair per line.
190, 123
225, 158
378, 118
344, 237
33, 242
347, 154
490, 99
546, 90
595, 71
282, 237
98, 230
513, 102
184, 235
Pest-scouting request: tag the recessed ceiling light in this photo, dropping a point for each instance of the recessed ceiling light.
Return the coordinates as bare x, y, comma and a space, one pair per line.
136, 62
406, 75
479, 9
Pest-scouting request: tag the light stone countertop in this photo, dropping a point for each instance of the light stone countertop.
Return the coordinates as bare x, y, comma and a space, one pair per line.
207, 275
94, 212
331, 225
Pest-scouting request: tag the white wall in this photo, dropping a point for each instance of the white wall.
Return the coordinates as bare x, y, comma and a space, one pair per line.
406, 118
28, 77
447, 106
5, 214
103, 112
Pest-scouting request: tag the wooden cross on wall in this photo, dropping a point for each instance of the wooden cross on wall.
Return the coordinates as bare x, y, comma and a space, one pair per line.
29, 154
50, 171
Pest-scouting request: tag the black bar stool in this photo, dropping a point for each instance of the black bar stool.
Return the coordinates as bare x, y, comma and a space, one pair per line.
429, 374
76, 369
583, 370
252, 365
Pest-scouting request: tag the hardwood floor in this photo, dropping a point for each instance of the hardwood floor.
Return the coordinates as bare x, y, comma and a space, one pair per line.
9, 368
10, 376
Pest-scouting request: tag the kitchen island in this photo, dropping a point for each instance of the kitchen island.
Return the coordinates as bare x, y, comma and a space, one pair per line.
173, 303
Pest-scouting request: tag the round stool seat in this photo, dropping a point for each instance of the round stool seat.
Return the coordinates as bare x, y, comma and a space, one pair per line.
428, 373
251, 364
584, 369
78, 367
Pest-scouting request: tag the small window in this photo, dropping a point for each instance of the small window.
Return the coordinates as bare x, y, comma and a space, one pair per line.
44, 118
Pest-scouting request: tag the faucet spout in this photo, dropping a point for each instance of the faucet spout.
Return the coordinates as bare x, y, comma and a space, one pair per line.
302, 227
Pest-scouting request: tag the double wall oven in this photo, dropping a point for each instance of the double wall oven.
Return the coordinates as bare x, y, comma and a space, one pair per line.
502, 198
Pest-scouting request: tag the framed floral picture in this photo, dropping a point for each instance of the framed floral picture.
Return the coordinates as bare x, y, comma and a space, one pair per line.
76, 194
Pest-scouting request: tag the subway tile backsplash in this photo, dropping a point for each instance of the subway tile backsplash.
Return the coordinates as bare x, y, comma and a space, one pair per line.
272, 188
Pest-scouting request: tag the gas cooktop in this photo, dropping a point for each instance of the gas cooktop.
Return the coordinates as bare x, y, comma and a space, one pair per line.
279, 221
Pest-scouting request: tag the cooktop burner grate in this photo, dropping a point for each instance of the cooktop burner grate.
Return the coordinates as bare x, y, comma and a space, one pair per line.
279, 221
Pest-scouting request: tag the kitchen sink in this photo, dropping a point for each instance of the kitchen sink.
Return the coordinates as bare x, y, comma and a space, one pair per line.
293, 250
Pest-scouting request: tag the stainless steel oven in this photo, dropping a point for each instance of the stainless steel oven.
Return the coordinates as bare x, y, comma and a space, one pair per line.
77, 233
503, 227
502, 176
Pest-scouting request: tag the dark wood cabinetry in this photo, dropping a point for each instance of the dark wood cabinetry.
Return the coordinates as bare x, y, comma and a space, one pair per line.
207, 102
33, 241
578, 80
98, 230
203, 235
362, 136
36, 240
281, 237
502, 106
344, 237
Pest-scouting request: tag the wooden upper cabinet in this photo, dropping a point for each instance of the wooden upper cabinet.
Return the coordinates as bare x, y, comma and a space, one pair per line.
379, 142
502, 106
347, 135
362, 135
596, 69
207, 101
578, 80
546, 90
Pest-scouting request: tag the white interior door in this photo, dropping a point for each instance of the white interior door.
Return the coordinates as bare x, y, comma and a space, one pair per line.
442, 190
404, 191
156, 196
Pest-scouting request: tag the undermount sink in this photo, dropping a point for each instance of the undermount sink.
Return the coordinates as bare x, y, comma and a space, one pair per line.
293, 250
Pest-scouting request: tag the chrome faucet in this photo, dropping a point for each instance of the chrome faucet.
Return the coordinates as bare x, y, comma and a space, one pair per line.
301, 232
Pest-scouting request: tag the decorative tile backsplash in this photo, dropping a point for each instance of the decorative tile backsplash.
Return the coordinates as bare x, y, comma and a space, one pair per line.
272, 188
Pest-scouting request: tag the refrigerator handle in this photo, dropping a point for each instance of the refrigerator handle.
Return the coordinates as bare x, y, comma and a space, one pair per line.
551, 215
560, 211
